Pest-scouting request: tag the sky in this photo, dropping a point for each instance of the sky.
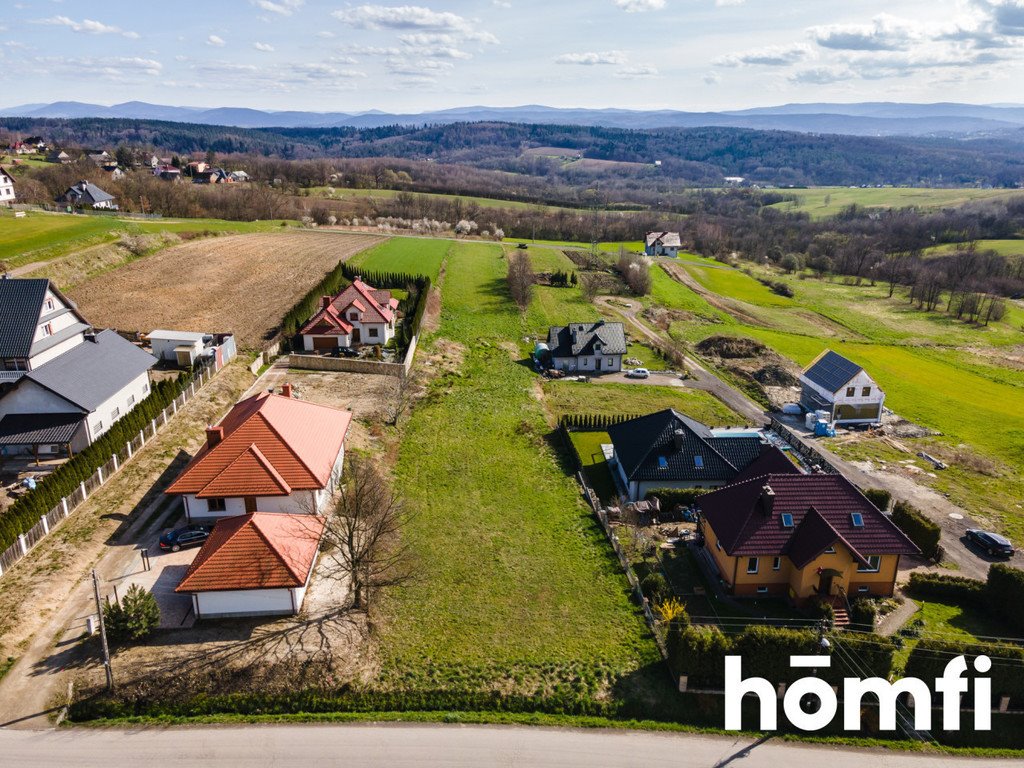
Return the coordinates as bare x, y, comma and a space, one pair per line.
636, 54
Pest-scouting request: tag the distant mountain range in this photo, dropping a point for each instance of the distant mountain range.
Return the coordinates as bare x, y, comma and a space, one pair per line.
860, 119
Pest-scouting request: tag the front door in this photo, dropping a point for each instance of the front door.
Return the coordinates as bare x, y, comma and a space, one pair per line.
825, 584
250, 504
356, 339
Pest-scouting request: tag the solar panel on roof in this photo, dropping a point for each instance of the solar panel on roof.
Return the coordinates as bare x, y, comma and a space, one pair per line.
832, 371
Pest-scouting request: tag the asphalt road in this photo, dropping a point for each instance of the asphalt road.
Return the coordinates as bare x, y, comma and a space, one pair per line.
431, 746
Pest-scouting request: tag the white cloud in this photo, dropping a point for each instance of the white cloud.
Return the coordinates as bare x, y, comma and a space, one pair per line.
592, 58
712, 78
637, 72
216, 42
265, 47
770, 56
883, 33
640, 6
822, 75
501, 3
283, 7
413, 17
726, 3
90, 27
121, 69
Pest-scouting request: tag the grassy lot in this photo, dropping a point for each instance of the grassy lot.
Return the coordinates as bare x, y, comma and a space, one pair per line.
517, 588
945, 621
565, 397
730, 282
44, 236
595, 467
821, 202
414, 255
483, 202
1003, 247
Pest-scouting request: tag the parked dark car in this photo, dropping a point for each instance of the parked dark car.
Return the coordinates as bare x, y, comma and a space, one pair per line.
991, 543
189, 536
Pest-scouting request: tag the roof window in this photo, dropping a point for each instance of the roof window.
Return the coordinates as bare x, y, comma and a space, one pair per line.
787, 520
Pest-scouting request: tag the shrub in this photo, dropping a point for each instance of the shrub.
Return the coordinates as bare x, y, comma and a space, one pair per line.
820, 609
134, 617
879, 497
863, 612
1004, 593
673, 612
919, 529
929, 657
655, 587
944, 587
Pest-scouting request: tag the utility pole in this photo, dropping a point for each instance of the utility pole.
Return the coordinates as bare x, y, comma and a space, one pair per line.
103, 632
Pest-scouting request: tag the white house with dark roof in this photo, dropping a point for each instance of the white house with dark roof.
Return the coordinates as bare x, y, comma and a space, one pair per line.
596, 347
86, 194
77, 395
844, 389
7, 196
663, 244
37, 324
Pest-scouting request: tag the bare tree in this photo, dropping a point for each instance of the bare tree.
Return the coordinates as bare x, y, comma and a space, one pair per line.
635, 272
520, 279
363, 533
403, 393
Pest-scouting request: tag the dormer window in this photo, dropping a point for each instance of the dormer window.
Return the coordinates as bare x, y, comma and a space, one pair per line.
353, 315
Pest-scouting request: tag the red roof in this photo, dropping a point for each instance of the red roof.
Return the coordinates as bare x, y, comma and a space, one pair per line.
272, 445
822, 507
260, 550
373, 303
327, 322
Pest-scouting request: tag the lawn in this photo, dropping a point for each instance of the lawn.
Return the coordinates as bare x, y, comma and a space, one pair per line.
413, 255
566, 397
726, 281
945, 621
44, 236
821, 202
1003, 247
516, 587
595, 467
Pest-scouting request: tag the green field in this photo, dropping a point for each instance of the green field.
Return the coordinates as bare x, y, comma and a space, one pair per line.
44, 236
937, 371
1002, 247
612, 399
821, 202
516, 587
413, 255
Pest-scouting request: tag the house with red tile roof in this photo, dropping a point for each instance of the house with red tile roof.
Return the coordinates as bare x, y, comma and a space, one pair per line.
801, 536
358, 315
257, 564
271, 453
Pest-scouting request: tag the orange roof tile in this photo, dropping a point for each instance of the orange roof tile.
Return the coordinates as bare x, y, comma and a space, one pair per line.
260, 550
297, 443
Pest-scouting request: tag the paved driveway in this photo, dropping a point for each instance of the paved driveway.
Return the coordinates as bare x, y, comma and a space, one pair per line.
166, 571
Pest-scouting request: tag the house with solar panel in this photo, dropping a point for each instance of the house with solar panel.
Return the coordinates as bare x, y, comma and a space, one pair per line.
667, 450
801, 537
839, 386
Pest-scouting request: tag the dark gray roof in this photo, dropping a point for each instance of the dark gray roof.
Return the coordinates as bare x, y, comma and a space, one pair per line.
86, 192
21, 305
648, 449
39, 428
21, 301
832, 371
94, 371
579, 338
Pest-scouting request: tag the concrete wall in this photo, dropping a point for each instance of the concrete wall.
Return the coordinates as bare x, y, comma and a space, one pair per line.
246, 602
322, 363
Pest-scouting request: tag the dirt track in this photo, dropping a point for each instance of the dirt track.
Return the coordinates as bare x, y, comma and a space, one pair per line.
242, 284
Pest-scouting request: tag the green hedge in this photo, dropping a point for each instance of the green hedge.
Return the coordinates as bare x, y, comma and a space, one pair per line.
945, 587
929, 657
879, 497
919, 529
1005, 594
593, 422
670, 497
343, 274
26, 511
699, 653
863, 612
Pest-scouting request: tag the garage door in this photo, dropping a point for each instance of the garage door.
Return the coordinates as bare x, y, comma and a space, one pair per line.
325, 342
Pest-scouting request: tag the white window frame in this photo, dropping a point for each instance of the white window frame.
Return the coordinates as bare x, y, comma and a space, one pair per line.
755, 562
776, 563
762, 590
874, 565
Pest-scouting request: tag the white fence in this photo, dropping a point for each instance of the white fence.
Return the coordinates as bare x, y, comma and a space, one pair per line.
72, 501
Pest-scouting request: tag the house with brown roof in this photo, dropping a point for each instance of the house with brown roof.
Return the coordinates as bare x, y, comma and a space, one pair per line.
257, 564
360, 314
801, 536
270, 453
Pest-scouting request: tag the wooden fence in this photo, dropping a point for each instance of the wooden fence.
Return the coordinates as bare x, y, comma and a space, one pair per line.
90, 485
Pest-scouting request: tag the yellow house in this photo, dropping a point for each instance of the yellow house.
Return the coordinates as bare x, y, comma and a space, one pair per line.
801, 536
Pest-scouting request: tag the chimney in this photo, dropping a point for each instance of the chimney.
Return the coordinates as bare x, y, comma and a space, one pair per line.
677, 437
767, 500
325, 302
359, 278
214, 435
286, 390
90, 335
